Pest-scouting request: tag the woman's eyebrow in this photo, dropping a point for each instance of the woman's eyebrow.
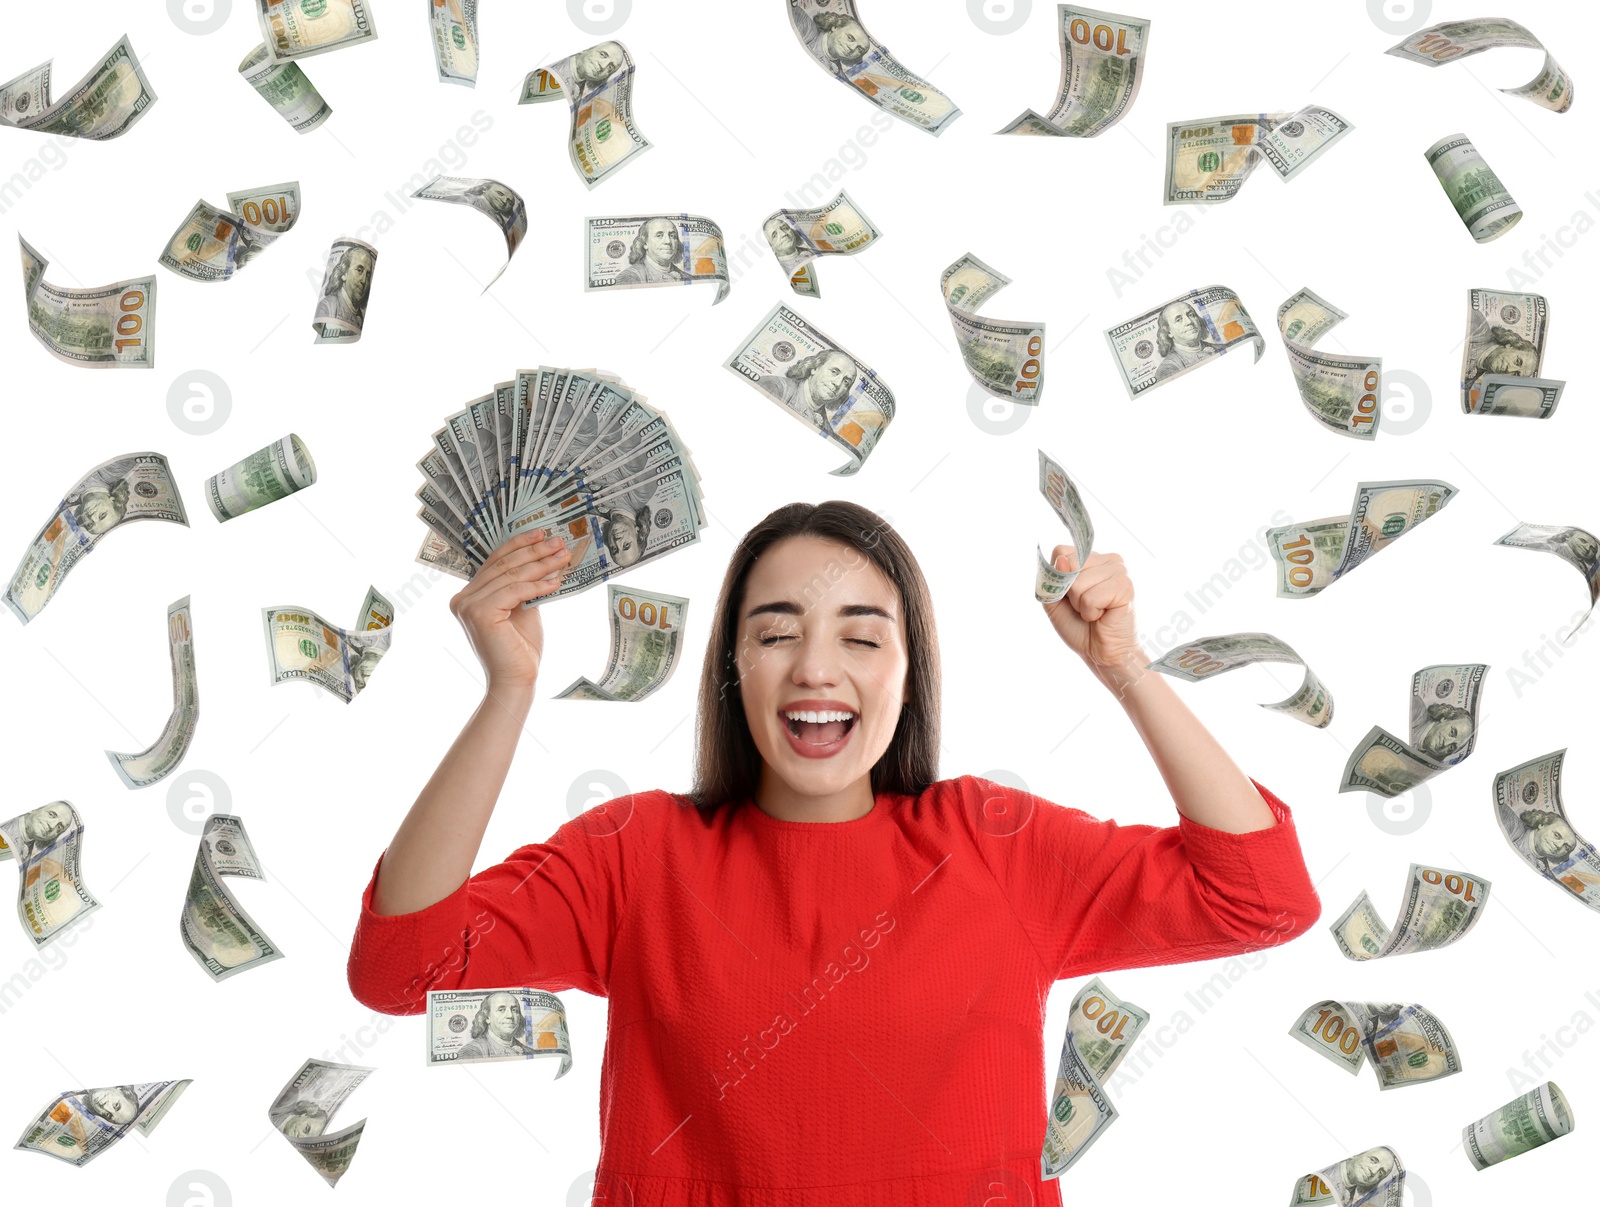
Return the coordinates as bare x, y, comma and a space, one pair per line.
786, 607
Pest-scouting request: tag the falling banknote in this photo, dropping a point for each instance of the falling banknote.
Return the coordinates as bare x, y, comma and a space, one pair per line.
646, 642
302, 645
213, 244
1340, 390
296, 29
162, 756
112, 326
1578, 547
346, 285
285, 87
1101, 1027
1102, 63
640, 251
1050, 583
1207, 657
275, 472
1502, 354
1482, 203
598, 86
1406, 1043
104, 104
47, 844
217, 932
1440, 907
455, 40
1180, 335
1527, 803
1312, 555
1005, 358
1538, 1117
1210, 158
797, 237
1453, 40
306, 1106
484, 1025
500, 203
1444, 728
1375, 1178
81, 1124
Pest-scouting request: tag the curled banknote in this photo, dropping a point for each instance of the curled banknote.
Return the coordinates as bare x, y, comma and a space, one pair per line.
1538, 1117
1313, 554
164, 754
1154, 347
482, 1025
455, 40
1005, 358
1375, 1178
833, 35
138, 486
1209, 158
797, 237
1440, 907
285, 87
1528, 806
1101, 1027
1452, 40
833, 392
500, 203
265, 476
1102, 63
646, 643
1482, 203
346, 285
1340, 390
1207, 657
1049, 582
1578, 547
1444, 728
642, 250
47, 844
212, 244
306, 1106
113, 326
297, 29
104, 104
302, 645
1503, 353
1407, 1044
598, 86
217, 932
81, 1124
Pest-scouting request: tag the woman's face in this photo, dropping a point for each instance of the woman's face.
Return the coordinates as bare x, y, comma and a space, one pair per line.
1182, 324
820, 626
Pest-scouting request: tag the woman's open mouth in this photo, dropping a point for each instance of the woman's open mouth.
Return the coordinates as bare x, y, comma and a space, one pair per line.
818, 733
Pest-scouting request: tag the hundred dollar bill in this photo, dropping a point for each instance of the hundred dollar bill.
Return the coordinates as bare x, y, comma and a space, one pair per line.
1101, 1027
646, 642
1452, 40
598, 86
1407, 1044
538, 86
302, 645
1340, 390
797, 237
1482, 203
138, 486
1102, 63
217, 932
1312, 555
637, 251
436, 551
1503, 353
1005, 358
1154, 347
213, 244
1527, 803
1578, 547
833, 35
483, 1025
47, 844
297, 29
1209, 158
1441, 906
499, 203
81, 1124
265, 476
166, 752
346, 283
307, 1104
833, 392
1051, 583
104, 104
1375, 1178
1538, 1117
1207, 657
455, 41
112, 326
285, 87
1444, 728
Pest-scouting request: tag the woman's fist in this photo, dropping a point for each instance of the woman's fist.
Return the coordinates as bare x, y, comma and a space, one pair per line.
1095, 616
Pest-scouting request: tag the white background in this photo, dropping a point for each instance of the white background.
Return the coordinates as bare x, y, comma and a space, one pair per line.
1180, 483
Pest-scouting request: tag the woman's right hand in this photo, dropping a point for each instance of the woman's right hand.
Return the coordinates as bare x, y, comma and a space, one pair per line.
508, 638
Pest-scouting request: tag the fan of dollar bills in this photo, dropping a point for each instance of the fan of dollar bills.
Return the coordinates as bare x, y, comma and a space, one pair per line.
573, 451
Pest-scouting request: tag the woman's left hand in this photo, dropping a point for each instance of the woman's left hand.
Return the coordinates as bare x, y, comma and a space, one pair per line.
1095, 616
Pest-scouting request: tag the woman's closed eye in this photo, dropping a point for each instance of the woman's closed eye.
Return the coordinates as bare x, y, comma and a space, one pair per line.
774, 638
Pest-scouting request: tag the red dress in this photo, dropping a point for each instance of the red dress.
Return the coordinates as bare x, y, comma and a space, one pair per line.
845, 1013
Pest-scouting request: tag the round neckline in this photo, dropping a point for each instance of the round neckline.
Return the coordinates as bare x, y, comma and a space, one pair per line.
881, 804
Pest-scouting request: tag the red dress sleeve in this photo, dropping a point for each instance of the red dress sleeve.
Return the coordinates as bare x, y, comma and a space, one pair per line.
546, 918
1096, 896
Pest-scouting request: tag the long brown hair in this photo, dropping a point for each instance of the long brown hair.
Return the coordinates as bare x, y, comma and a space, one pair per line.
727, 765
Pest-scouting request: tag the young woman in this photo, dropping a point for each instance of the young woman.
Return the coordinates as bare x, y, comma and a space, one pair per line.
827, 968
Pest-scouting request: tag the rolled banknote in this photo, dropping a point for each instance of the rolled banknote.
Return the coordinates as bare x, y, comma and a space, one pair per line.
1503, 353
265, 476
1180, 335
797, 237
1312, 555
217, 932
1440, 907
1005, 358
212, 244
455, 40
47, 844
1209, 158
833, 392
833, 35
137, 486
1452, 40
306, 1106
1407, 1044
285, 87
1482, 203
166, 752
112, 326
1538, 1117
598, 86
646, 642
484, 1025
1528, 806
1578, 547
346, 284
1102, 63
297, 29
1444, 728
1207, 657
1375, 1178
302, 645
104, 104
642, 250
1340, 390
1101, 1027
81, 1124
500, 203
1050, 583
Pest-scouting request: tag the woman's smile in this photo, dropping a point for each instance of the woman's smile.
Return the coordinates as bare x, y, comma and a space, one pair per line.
818, 729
